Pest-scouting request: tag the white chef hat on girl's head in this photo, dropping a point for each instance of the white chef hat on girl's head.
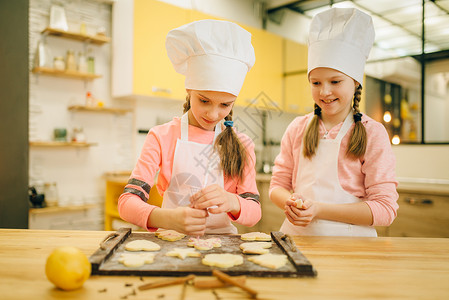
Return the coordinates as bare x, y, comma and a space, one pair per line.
213, 55
341, 39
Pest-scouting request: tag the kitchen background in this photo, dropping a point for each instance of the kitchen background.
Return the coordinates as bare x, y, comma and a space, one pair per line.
108, 113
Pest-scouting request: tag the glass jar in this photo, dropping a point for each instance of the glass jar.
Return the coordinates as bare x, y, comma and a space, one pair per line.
58, 63
82, 63
70, 61
51, 193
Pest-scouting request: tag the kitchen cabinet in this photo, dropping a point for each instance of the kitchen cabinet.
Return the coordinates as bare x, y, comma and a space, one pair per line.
140, 65
423, 212
298, 98
60, 144
114, 188
74, 217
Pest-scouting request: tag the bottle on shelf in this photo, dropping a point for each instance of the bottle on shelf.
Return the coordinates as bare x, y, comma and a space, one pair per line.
59, 63
51, 193
90, 100
82, 63
70, 61
90, 62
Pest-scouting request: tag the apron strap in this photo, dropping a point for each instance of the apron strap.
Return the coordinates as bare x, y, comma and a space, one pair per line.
185, 128
345, 127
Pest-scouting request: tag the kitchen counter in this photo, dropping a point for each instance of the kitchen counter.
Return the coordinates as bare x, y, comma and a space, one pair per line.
348, 268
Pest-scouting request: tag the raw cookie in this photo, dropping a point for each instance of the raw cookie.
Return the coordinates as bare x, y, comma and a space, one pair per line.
255, 236
206, 244
222, 260
298, 203
134, 260
272, 261
142, 245
255, 247
169, 235
183, 253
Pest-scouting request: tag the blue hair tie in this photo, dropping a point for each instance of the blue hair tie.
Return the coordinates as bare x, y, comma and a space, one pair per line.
228, 123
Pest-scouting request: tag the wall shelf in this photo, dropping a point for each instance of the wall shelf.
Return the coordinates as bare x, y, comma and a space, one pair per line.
94, 39
60, 144
55, 209
99, 109
65, 73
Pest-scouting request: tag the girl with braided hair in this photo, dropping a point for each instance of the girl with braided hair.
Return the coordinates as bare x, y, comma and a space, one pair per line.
206, 168
335, 174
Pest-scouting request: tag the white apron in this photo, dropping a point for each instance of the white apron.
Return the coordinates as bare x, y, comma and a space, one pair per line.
196, 166
317, 179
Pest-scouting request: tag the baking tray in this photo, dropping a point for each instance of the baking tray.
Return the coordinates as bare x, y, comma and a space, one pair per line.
105, 260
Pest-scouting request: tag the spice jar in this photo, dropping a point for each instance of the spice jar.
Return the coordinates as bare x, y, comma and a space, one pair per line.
82, 63
70, 61
58, 63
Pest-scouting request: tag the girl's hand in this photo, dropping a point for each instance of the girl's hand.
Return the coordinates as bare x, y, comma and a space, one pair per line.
300, 216
188, 220
216, 200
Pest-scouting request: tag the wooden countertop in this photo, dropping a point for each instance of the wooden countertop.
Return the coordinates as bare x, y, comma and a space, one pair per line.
348, 268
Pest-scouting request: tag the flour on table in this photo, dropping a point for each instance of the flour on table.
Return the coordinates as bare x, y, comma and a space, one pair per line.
183, 253
272, 261
255, 247
142, 245
134, 260
255, 236
222, 260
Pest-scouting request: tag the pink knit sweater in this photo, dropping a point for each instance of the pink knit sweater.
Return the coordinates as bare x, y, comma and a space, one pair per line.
372, 178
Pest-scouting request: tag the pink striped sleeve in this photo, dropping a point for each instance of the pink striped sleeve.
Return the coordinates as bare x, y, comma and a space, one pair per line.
131, 207
379, 168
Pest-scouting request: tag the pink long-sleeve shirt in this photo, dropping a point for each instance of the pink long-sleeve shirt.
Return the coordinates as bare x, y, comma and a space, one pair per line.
371, 178
158, 154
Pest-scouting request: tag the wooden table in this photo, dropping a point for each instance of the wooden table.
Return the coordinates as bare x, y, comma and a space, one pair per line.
348, 268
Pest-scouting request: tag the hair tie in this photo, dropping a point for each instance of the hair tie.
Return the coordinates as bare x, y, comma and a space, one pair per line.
317, 111
228, 123
357, 117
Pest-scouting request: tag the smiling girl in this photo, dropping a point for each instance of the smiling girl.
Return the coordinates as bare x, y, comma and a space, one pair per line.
206, 168
338, 162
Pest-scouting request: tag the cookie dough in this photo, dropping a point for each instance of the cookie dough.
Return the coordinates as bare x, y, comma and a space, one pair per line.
183, 253
255, 247
272, 261
222, 260
298, 203
255, 236
169, 235
142, 245
206, 244
134, 260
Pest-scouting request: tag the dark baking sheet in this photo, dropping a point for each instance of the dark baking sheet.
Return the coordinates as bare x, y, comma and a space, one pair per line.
105, 261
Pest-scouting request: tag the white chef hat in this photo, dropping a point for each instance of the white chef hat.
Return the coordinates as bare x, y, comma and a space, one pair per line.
341, 39
213, 55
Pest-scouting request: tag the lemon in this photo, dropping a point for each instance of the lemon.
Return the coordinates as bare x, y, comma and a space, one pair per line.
67, 268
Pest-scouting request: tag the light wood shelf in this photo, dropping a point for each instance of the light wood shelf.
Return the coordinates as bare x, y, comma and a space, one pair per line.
99, 109
94, 39
65, 73
53, 209
60, 144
